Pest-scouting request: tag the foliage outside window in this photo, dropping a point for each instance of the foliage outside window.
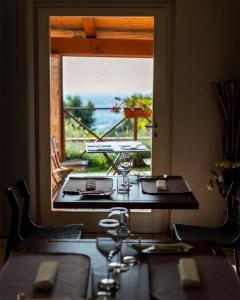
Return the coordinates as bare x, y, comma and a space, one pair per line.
134, 101
82, 113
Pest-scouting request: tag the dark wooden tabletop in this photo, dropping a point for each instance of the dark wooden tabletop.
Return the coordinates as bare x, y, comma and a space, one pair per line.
135, 199
218, 280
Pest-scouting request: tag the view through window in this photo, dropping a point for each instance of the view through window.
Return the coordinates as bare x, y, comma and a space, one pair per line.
95, 91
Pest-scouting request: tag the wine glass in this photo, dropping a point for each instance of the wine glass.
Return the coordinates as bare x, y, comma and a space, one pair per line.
121, 233
108, 247
124, 166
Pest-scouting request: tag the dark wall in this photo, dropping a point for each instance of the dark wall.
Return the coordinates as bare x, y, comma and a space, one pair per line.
238, 36
1, 112
14, 137
14, 96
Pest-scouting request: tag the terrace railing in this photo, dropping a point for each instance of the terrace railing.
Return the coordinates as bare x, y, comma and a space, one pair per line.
100, 137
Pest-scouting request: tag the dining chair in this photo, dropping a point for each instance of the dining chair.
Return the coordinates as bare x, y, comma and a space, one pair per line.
58, 172
22, 227
61, 169
73, 164
226, 235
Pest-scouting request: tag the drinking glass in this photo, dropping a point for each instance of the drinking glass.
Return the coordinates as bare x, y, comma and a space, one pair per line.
108, 247
121, 232
124, 165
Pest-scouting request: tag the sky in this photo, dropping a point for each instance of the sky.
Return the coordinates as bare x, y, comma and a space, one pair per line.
96, 75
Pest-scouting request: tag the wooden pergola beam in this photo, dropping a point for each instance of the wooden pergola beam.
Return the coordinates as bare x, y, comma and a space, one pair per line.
105, 34
89, 27
102, 47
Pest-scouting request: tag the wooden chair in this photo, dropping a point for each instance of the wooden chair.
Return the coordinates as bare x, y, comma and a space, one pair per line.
58, 172
22, 227
73, 164
226, 235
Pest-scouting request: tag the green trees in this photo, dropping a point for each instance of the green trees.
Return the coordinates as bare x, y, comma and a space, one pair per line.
79, 111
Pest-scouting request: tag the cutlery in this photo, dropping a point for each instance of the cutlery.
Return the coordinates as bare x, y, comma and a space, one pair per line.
154, 177
95, 192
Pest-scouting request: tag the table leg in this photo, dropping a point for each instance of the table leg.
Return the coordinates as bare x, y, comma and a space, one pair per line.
113, 165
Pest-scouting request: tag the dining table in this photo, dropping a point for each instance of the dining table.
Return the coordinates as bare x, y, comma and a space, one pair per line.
142, 193
155, 276
116, 147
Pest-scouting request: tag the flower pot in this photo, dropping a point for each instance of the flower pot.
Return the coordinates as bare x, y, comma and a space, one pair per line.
137, 112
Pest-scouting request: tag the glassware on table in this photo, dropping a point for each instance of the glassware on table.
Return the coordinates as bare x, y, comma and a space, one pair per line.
121, 232
109, 223
120, 212
124, 165
104, 295
108, 247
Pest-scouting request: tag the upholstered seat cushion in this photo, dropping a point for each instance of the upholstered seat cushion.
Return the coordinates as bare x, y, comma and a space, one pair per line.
200, 233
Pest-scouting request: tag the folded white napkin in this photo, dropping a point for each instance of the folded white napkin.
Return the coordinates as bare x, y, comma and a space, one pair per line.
46, 275
188, 272
161, 185
90, 185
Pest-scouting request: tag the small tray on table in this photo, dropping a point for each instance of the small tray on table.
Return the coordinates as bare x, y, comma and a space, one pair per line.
76, 185
175, 185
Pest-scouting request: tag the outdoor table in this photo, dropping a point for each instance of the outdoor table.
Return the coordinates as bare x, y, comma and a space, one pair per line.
135, 199
218, 279
116, 147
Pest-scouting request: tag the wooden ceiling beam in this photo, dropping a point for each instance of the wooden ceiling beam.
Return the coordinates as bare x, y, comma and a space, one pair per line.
89, 27
104, 34
102, 47
123, 23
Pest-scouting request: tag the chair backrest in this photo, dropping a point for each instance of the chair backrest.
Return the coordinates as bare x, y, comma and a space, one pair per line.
55, 152
231, 222
19, 198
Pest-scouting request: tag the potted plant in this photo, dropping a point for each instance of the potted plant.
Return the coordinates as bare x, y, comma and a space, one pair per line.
135, 106
227, 94
222, 175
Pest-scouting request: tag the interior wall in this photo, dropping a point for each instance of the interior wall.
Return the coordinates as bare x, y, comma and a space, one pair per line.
1, 119
238, 37
205, 51
14, 110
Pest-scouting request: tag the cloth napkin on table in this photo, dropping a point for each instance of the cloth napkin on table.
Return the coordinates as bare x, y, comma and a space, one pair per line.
90, 185
161, 185
188, 272
46, 275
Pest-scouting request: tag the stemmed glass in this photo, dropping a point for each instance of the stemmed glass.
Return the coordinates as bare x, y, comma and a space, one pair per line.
108, 248
124, 166
121, 233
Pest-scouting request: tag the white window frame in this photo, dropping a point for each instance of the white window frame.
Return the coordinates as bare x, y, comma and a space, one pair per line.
161, 154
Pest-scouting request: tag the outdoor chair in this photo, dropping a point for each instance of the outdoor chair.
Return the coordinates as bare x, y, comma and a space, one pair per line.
61, 169
226, 235
23, 228
73, 164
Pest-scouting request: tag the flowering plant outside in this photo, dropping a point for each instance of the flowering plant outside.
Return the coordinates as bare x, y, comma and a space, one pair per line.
134, 101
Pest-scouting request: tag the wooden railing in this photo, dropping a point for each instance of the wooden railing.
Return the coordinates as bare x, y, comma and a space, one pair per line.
102, 137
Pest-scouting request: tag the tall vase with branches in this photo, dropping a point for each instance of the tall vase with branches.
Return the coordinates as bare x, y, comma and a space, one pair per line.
227, 95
